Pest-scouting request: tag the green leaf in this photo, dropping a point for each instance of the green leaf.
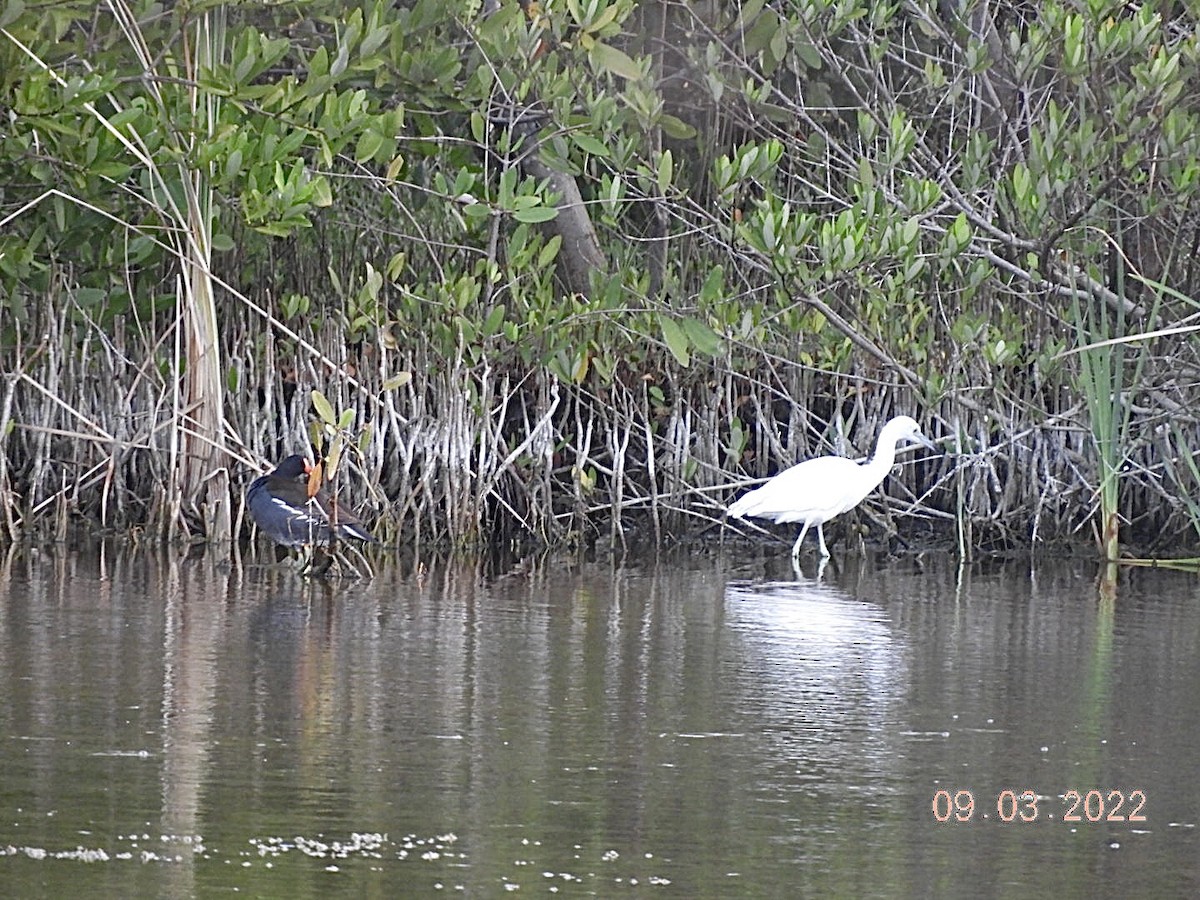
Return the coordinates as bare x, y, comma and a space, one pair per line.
759, 35
666, 169
960, 232
808, 54
605, 18
492, 323
676, 128
12, 12
318, 66
90, 297
397, 381
610, 59
369, 143
477, 211
334, 457
1022, 182
714, 284
589, 144
323, 408
703, 338
112, 169
536, 214
779, 45
549, 252
677, 341
321, 195
749, 11
341, 60
580, 369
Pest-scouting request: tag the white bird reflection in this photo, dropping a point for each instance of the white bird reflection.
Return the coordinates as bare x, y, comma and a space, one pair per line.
823, 676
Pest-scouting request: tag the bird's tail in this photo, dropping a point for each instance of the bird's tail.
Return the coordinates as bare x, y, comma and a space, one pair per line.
742, 507
358, 532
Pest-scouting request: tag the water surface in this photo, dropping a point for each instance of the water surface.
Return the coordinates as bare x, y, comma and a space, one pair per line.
696, 725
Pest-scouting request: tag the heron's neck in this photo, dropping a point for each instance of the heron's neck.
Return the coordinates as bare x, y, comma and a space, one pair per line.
883, 458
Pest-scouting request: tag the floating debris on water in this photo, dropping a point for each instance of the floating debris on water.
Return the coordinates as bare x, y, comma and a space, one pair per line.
376, 847
193, 844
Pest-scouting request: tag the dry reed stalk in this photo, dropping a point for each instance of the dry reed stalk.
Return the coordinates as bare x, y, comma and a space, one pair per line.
619, 436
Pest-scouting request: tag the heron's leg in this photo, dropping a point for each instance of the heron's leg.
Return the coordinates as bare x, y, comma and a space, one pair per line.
799, 541
821, 563
821, 538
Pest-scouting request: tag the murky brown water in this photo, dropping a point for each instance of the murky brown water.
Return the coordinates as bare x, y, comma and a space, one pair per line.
696, 726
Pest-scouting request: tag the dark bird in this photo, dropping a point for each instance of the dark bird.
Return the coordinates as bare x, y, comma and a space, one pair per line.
297, 511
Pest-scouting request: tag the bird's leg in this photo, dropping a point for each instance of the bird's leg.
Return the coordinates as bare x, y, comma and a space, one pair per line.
320, 562
800, 540
821, 538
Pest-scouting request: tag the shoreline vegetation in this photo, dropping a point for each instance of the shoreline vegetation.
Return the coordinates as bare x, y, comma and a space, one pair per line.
575, 273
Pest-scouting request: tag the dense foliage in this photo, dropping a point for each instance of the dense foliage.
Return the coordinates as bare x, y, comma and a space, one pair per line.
579, 265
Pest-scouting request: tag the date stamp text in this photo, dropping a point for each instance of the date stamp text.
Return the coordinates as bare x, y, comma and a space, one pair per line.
1013, 806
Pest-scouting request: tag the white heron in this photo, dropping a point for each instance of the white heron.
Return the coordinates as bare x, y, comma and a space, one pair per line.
816, 490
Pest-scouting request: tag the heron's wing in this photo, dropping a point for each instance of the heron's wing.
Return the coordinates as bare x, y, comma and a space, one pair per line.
813, 491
